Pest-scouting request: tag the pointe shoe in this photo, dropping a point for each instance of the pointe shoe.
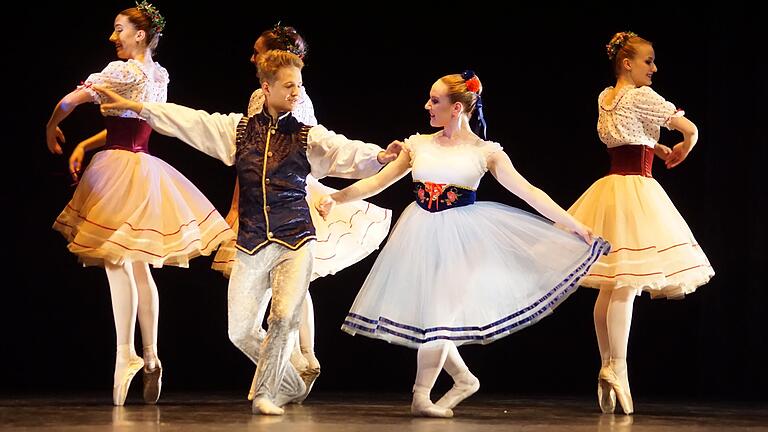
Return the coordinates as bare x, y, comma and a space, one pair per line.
620, 386
264, 406
606, 397
309, 376
153, 382
121, 384
298, 360
421, 406
462, 389
312, 361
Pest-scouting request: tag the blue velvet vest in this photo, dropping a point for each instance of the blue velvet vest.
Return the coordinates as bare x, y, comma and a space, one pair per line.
272, 169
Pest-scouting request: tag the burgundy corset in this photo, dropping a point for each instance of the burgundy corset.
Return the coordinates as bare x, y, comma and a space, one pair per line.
125, 133
631, 160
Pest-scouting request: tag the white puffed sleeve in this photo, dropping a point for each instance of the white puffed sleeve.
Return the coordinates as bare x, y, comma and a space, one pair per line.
212, 134
332, 154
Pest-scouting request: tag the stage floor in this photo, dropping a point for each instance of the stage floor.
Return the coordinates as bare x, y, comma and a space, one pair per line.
369, 412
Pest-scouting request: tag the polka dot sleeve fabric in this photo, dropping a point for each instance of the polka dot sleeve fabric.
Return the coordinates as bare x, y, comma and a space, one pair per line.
118, 76
652, 108
131, 80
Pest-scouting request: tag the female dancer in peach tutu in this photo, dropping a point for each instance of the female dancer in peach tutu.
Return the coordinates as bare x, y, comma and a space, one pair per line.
653, 248
131, 209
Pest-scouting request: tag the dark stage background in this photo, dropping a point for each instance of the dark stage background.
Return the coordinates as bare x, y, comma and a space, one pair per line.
368, 75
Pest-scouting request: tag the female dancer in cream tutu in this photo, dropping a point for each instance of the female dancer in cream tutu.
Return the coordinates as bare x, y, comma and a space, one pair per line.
653, 248
348, 235
455, 271
131, 209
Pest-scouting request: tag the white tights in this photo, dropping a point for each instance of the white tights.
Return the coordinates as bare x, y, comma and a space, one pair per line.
134, 295
613, 319
432, 358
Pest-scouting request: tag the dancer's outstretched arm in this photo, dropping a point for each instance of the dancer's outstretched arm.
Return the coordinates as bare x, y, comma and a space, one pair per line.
335, 155
367, 187
501, 167
212, 134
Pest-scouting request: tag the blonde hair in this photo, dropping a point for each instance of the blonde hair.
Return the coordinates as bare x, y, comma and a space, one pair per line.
270, 63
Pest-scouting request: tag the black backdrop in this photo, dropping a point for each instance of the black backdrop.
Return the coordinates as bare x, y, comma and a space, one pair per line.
369, 69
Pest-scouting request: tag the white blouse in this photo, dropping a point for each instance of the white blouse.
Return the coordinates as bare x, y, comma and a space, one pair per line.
131, 80
329, 153
460, 165
634, 116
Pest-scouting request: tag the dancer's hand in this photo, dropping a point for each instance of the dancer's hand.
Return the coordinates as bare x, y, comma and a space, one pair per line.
662, 152
583, 231
324, 205
116, 102
52, 137
678, 155
391, 153
76, 161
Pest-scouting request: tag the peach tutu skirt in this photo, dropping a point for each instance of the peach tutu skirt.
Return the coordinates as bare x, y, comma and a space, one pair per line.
135, 207
652, 247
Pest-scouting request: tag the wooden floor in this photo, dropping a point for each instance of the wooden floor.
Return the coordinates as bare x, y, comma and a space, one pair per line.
369, 412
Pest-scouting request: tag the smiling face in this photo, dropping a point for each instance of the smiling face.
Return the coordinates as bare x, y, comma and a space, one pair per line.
284, 92
127, 38
642, 66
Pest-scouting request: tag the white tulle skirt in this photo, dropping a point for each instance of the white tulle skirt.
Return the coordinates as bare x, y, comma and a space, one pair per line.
653, 248
471, 274
350, 233
135, 207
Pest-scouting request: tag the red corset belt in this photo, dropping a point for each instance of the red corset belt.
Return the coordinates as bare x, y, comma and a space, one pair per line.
124, 133
631, 160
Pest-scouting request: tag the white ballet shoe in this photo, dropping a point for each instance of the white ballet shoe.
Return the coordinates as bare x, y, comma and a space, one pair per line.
421, 406
465, 386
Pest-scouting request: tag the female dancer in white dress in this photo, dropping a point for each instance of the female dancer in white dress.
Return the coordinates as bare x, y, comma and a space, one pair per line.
653, 248
131, 209
455, 271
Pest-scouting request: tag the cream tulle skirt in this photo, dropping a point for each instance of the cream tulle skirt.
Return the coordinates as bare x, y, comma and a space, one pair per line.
652, 247
135, 207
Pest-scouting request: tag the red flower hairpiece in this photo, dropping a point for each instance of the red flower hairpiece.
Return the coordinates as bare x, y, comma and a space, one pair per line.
473, 84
